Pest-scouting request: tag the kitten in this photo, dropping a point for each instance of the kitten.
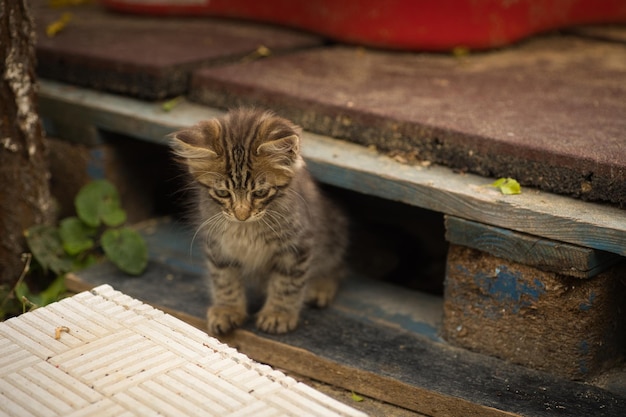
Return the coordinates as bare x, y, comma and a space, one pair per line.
266, 221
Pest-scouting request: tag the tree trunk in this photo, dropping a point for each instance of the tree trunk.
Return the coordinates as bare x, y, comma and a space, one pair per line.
24, 189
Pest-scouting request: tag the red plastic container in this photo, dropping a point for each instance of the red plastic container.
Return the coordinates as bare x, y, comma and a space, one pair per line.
401, 24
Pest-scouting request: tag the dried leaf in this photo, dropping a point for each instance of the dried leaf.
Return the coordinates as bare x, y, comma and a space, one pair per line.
55, 27
261, 51
59, 330
460, 51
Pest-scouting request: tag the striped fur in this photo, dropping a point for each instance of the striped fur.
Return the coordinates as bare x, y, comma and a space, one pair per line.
264, 219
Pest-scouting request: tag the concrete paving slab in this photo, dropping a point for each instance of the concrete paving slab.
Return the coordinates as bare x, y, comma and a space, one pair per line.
549, 112
147, 57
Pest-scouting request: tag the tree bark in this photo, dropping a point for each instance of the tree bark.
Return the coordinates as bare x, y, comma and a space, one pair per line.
24, 189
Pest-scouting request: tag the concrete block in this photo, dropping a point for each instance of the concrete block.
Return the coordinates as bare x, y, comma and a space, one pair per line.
547, 321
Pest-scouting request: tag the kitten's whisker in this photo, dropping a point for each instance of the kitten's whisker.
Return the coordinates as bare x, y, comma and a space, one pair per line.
300, 196
207, 222
276, 217
267, 223
297, 194
217, 223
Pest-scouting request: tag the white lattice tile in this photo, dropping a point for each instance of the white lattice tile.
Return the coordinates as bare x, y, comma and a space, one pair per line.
102, 353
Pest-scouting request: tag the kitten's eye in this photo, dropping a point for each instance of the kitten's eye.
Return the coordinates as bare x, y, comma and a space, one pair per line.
222, 193
260, 193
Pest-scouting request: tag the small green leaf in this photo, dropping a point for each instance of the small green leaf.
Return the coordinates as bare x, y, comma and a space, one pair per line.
356, 397
170, 104
507, 186
76, 235
82, 262
99, 202
45, 244
9, 305
126, 249
29, 300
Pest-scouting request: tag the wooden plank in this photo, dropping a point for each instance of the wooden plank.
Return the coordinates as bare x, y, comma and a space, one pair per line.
69, 111
544, 254
469, 196
368, 341
368, 350
395, 366
304, 362
364, 170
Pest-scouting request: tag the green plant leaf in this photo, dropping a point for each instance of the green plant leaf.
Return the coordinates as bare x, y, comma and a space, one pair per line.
8, 305
29, 300
82, 262
99, 202
507, 186
54, 292
126, 249
46, 246
76, 235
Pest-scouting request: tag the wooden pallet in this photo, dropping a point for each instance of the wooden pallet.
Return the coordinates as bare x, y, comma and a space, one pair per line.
79, 114
377, 339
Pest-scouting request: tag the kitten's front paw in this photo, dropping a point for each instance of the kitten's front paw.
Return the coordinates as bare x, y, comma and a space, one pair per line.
274, 321
221, 319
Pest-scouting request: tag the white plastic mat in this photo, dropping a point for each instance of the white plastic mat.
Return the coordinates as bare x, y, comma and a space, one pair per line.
103, 353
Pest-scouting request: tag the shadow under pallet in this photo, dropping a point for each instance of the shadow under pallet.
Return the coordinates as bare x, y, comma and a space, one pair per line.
376, 339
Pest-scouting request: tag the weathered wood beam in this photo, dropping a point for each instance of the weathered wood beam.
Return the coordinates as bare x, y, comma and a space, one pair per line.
549, 255
361, 169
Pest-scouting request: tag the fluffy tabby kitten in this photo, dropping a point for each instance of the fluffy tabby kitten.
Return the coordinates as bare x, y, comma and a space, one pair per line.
264, 218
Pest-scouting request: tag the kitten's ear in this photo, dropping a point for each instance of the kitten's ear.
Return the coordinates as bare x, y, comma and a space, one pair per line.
198, 142
283, 146
184, 150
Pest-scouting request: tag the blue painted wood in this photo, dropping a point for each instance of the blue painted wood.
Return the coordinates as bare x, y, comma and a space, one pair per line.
361, 169
546, 254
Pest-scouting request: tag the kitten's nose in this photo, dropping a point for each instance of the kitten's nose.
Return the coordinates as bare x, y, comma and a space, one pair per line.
242, 213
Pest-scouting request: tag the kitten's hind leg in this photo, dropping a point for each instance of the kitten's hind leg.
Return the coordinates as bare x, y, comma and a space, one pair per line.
321, 290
